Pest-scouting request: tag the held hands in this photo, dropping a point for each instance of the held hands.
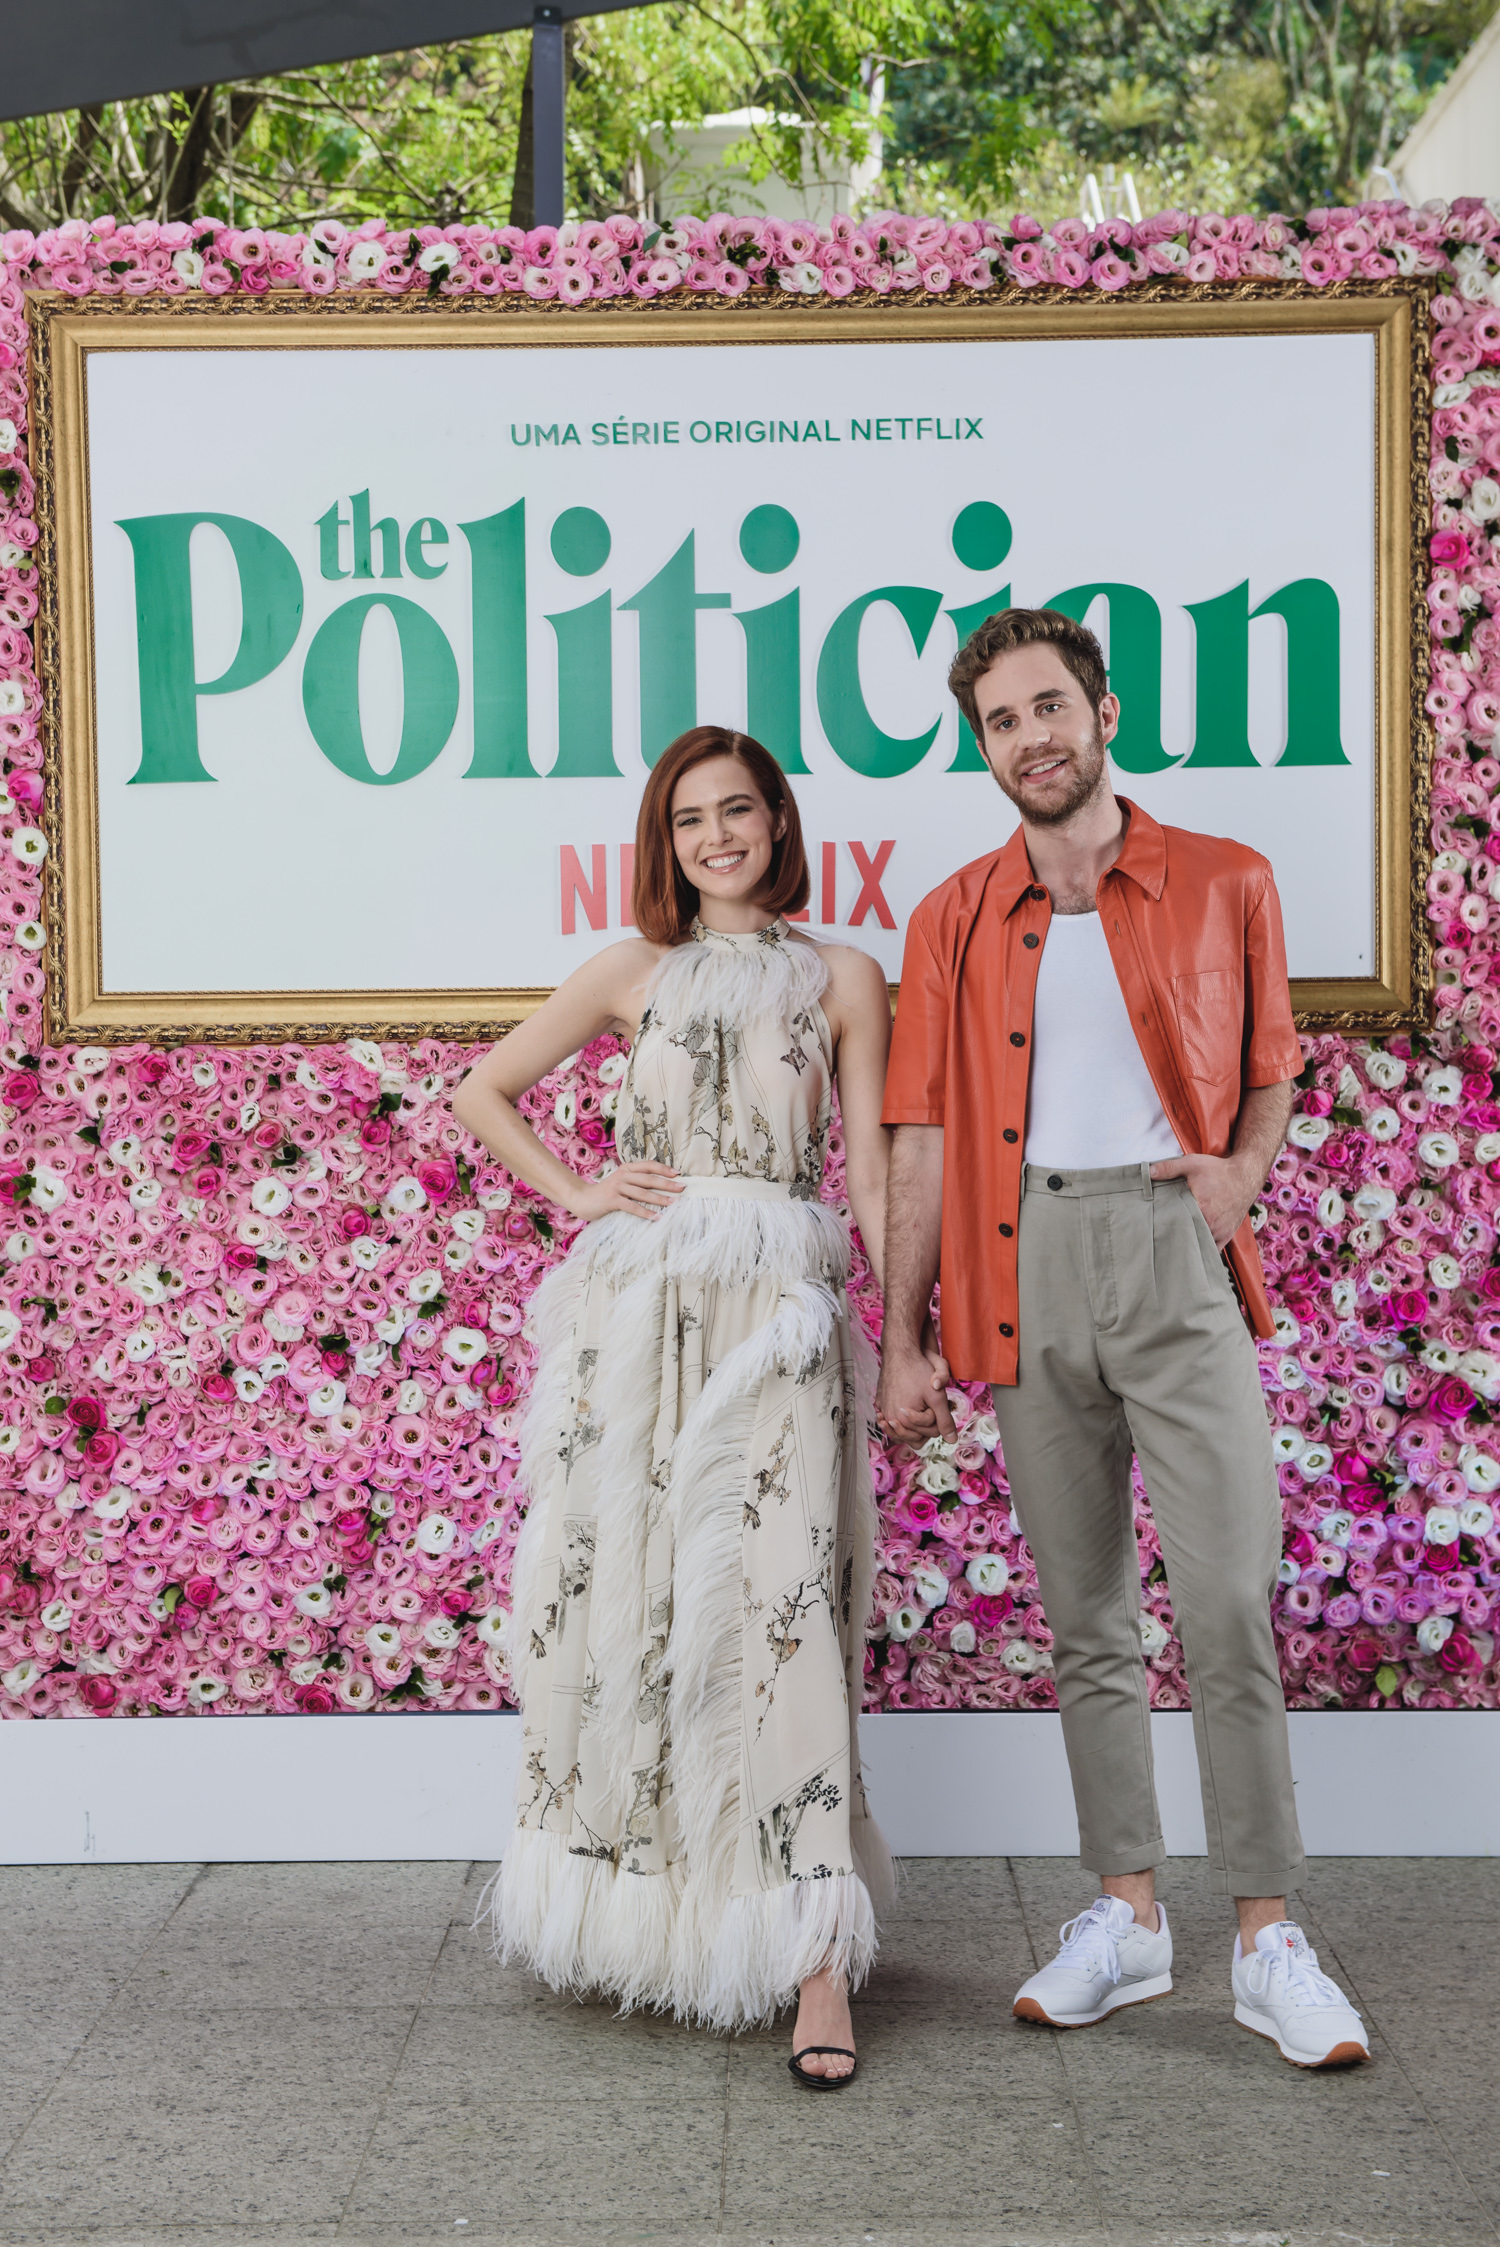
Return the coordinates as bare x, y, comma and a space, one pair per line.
639, 1189
1223, 1186
911, 1404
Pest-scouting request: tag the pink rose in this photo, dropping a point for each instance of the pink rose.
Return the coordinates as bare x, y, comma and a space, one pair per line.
99, 1694
218, 1387
241, 1259
315, 1699
267, 1135
437, 1177
375, 1132
200, 1591
1449, 546
921, 1509
1452, 1399
1317, 1103
21, 1088
989, 1611
1459, 1653
41, 1369
353, 1223
1409, 1305
205, 1183
101, 1449
85, 1413
190, 1147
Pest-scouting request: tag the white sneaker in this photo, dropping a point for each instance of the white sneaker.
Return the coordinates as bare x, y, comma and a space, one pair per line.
1281, 1992
1107, 1960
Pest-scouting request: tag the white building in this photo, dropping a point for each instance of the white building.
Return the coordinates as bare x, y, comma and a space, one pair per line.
1454, 146
707, 168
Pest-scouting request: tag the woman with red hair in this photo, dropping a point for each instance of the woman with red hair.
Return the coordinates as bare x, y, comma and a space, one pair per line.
692, 1585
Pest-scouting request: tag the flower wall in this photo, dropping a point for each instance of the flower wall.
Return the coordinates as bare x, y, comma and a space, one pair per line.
262, 1345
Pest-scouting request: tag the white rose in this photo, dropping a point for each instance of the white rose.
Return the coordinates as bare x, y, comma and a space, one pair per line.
22, 1678
1154, 1634
204, 1690
484, 1536
438, 257
1308, 1131
1482, 1473
937, 1476
10, 1326
248, 1384
931, 1586
370, 1357
1445, 1272
1441, 1525
268, 1197
9, 437
114, 1505
1288, 1570
355, 1690
56, 1617
499, 1198
140, 1345
1385, 1070
315, 1600
13, 557
437, 1533
1434, 1632
465, 1345
493, 1628
326, 1399
565, 1108
467, 1224
1344, 1296
1367, 1240
1315, 1462
1287, 1443
984, 1428
364, 262
1438, 1149
1487, 1147
1374, 1203
987, 1573
405, 1198
1287, 1329
422, 1287
1484, 499
367, 1253
1383, 1124
1438, 1357
1475, 1518
29, 845
1481, 1369
391, 1327
368, 1056
612, 1068
1020, 1657
1330, 1206
31, 936
1290, 1374
1335, 1528
963, 1638
1444, 1087
440, 1630
383, 1640
905, 1621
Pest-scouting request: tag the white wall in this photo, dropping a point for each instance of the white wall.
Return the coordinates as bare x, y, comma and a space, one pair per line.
166, 1790
1454, 147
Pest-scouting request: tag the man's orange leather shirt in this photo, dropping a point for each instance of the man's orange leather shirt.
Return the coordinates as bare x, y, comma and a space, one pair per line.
1194, 929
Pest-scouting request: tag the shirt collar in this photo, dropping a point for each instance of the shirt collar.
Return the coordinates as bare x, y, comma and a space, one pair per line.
1143, 856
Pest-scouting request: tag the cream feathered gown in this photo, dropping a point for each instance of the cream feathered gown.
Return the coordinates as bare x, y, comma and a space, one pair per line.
693, 1581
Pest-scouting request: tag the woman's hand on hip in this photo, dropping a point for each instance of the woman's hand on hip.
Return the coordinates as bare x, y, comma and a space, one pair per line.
639, 1189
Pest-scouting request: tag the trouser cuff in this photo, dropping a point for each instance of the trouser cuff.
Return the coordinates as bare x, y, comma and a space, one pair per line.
1139, 1856
1257, 1880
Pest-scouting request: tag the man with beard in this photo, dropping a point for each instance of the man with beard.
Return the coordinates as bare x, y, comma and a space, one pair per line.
1089, 1082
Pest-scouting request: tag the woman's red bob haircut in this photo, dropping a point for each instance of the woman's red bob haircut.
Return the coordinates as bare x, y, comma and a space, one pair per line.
663, 900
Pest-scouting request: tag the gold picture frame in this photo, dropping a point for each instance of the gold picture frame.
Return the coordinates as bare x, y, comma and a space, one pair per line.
66, 332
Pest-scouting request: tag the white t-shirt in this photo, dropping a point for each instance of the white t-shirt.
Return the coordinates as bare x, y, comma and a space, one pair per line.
1091, 1104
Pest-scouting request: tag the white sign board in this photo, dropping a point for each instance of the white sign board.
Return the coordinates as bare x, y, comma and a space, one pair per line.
384, 638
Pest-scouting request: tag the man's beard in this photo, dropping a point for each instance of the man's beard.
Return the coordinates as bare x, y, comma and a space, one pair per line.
1087, 770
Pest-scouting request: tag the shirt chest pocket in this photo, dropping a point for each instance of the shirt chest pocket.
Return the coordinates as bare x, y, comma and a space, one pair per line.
1210, 1023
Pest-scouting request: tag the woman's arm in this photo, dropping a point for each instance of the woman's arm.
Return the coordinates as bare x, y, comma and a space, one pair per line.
862, 1037
607, 993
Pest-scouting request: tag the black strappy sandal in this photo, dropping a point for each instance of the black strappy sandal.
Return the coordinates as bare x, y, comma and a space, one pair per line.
823, 2082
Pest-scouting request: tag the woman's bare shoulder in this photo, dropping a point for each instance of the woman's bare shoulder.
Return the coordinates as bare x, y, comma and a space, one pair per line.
853, 975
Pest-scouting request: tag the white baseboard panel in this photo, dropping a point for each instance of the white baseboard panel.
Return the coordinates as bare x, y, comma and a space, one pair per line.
163, 1790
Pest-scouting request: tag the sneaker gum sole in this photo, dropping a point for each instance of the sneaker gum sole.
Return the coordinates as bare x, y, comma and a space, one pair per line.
1342, 2055
1029, 2008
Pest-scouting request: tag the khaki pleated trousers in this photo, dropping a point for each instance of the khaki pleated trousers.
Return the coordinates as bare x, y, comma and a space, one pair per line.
1131, 1339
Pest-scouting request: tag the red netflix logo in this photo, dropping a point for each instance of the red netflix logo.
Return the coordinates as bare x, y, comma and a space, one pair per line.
588, 891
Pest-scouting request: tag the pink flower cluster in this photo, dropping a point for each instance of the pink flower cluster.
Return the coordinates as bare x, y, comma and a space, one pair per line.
261, 1348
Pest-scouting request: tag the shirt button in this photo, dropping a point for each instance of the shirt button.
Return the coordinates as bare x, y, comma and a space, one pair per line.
1017, 1037
1054, 1182
1038, 896
1030, 941
1007, 1331
1011, 1137
1007, 1230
